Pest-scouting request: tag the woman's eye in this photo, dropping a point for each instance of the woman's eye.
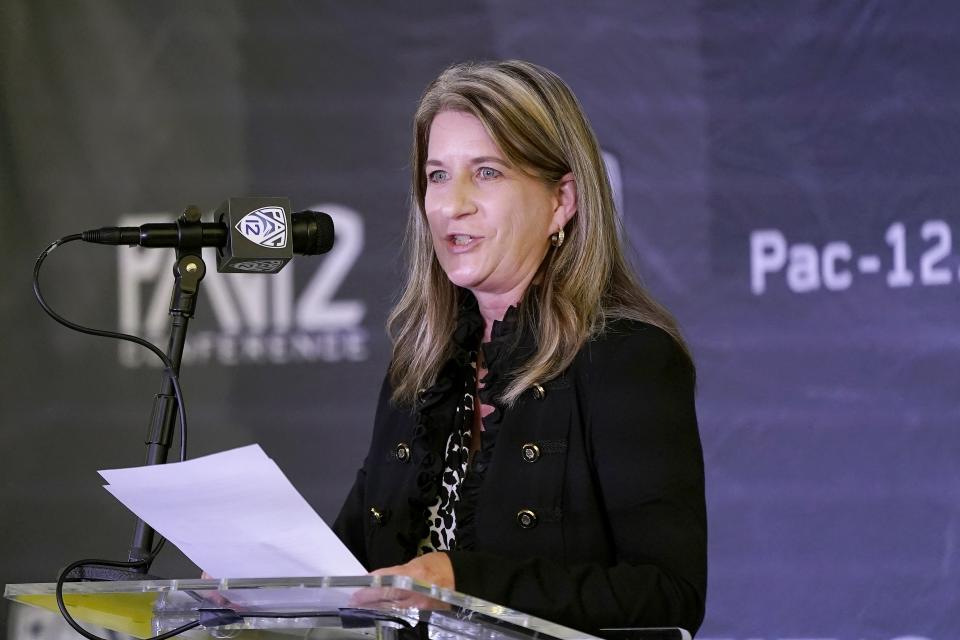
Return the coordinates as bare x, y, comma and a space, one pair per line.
437, 176
487, 173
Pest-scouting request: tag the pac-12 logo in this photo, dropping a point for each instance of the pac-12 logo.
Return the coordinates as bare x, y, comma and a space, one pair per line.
250, 318
267, 227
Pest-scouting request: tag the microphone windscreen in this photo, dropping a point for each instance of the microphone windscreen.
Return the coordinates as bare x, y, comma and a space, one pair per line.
312, 233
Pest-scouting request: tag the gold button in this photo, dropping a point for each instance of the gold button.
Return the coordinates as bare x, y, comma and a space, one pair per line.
538, 392
527, 519
375, 515
531, 452
403, 452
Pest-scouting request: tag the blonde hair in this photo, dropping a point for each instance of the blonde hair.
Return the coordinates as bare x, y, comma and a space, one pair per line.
539, 125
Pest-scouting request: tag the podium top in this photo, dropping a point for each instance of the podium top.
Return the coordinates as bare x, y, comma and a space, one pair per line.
324, 608
343, 607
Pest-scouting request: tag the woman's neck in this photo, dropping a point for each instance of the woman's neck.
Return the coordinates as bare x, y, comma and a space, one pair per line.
493, 306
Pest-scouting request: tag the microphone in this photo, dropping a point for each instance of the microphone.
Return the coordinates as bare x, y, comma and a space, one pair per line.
250, 234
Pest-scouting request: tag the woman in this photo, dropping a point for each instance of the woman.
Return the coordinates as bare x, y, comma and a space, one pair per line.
535, 442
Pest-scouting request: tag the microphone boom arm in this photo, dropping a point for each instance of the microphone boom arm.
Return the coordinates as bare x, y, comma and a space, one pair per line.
188, 271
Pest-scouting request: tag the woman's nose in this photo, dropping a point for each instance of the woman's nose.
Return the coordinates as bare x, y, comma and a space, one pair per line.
458, 199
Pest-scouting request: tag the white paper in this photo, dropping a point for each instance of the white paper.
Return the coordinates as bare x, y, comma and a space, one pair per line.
235, 515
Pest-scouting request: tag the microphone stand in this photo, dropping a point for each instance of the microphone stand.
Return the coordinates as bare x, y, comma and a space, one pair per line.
188, 271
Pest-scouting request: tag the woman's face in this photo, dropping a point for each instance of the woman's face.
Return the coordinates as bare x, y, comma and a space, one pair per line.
490, 222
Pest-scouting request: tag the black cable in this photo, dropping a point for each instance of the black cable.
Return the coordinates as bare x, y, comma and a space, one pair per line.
168, 369
357, 615
167, 364
108, 563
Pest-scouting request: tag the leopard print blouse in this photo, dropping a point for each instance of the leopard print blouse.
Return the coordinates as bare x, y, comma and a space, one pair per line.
442, 518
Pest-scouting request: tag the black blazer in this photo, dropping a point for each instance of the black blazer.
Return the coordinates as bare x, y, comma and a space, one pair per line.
586, 500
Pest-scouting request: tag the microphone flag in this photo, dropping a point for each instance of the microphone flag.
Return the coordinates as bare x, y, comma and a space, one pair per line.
258, 238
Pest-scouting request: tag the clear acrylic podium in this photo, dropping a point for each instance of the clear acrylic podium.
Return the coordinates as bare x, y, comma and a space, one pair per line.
331, 608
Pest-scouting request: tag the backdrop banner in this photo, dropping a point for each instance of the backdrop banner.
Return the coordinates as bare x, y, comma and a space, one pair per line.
788, 177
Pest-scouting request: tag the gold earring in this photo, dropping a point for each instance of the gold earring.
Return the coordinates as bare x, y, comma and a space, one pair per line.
557, 239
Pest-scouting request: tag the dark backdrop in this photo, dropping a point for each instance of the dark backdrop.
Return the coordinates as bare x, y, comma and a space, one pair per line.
789, 176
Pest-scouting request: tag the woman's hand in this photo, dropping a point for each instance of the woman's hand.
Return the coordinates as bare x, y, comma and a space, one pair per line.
432, 568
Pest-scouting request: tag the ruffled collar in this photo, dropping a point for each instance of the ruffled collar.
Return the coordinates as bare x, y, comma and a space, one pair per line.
509, 344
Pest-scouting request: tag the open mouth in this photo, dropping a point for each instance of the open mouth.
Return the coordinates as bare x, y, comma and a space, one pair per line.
462, 239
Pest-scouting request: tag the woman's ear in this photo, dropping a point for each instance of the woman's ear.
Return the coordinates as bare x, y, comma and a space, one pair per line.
566, 194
